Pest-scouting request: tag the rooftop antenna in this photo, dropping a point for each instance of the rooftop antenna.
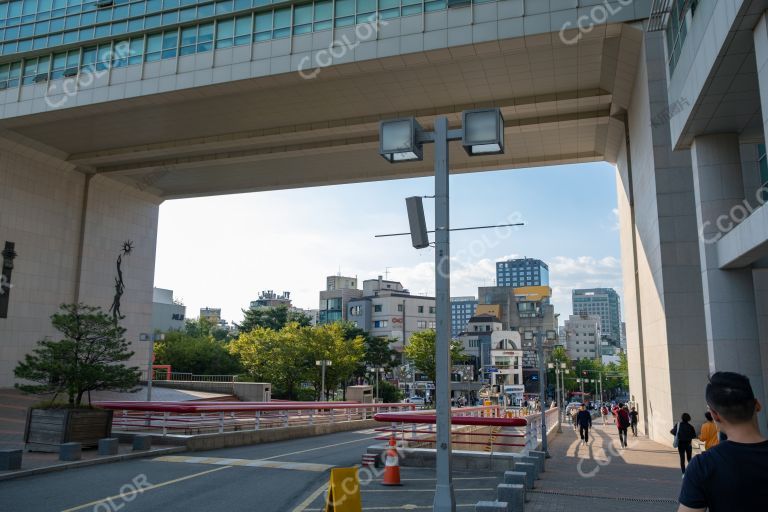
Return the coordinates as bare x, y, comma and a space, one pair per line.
386, 273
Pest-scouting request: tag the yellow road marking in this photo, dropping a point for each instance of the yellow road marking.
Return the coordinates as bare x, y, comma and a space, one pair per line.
143, 489
257, 463
312, 497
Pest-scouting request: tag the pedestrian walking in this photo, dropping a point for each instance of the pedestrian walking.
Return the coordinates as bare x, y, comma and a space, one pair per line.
584, 420
709, 435
604, 414
733, 475
622, 423
633, 417
684, 434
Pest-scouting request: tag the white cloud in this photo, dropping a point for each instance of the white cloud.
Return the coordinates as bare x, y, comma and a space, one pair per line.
566, 274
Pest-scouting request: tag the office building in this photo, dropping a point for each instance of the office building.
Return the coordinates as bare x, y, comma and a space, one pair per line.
522, 272
387, 309
462, 310
339, 290
583, 338
602, 302
271, 299
168, 314
213, 315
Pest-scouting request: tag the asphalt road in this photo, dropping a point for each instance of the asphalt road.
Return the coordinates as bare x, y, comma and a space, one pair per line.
191, 482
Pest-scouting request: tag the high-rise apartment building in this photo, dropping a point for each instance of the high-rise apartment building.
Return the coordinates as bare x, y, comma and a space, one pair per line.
522, 272
602, 302
582, 337
462, 310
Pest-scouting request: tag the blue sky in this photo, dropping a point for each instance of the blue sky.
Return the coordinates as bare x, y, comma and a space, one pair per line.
292, 239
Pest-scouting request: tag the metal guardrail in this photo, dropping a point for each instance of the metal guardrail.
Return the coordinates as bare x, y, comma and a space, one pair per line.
191, 418
488, 427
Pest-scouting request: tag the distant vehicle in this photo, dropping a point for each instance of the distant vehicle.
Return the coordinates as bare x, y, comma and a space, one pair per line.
571, 406
417, 400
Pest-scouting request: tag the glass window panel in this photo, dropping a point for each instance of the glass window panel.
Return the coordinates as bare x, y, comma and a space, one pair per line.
187, 50
262, 36
188, 14
302, 14
120, 12
103, 15
302, 29
224, 6
323, 25
120, 54
154, 5
40, 16
29, 30
41, 28
102, 31
323, 10
56, 25
29, 7
55, 39
437, 5
88, 18
136, 25
13, 33
40, 42
408, 10
345, 8
366, 6
205, 32
243, 25
170, 38
225, 30
69, 37
170, 18
344, 22
188, 36
170, 4
152, 21
137, 9
242, 4
85, 34
410, 2
283, 17
89, 56
188, 2
73, 57
260, 3
15, 9
154, 42
9, 48
205, 11
72, 21
263, 21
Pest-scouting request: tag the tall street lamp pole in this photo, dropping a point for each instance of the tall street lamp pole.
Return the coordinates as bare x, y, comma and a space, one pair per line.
322, 364
401, 140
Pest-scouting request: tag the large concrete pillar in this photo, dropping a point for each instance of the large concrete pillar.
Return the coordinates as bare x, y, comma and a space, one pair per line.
666, 346
733, 342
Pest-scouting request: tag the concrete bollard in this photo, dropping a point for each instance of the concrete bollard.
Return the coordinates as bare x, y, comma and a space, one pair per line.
10, 459
516, 478
542, 459
491, 506
142, 442
529, 470
109, 446
70, 451
535, 462
513, 495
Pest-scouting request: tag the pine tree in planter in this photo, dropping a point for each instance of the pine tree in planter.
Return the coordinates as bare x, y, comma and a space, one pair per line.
89, 357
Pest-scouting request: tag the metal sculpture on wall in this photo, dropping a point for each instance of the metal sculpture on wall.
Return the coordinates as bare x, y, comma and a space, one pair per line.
9, 254
119, 285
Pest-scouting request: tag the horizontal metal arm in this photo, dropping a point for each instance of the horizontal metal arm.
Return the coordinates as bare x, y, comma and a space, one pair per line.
456, 229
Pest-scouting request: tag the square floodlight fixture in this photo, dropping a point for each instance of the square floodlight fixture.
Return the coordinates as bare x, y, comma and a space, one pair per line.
528, 335
398, 140
483, 131
551, 335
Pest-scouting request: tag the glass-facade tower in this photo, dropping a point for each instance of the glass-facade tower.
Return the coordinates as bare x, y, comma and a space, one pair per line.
522, 272
602, 302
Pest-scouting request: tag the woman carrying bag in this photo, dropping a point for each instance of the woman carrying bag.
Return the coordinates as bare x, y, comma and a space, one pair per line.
684, 435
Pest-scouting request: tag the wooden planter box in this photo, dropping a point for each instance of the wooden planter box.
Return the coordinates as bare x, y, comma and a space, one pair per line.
46, 429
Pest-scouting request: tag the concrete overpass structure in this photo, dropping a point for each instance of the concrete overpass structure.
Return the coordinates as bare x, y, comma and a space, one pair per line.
127, 105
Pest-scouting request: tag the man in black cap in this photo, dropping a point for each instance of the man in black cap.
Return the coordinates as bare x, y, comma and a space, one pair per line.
732, 476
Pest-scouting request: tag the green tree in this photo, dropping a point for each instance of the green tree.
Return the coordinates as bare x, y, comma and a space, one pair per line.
378, 353
203, 327
274, 318
202, 355
389, 393
333, 343
87, 358
280, 357
421, 349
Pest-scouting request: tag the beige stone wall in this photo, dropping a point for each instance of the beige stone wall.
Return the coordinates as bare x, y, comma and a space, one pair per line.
41, 202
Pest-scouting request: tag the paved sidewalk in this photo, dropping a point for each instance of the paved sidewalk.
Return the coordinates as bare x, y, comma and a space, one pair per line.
602, 477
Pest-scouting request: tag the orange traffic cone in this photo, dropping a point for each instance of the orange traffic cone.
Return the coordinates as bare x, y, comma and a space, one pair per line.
391, 465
